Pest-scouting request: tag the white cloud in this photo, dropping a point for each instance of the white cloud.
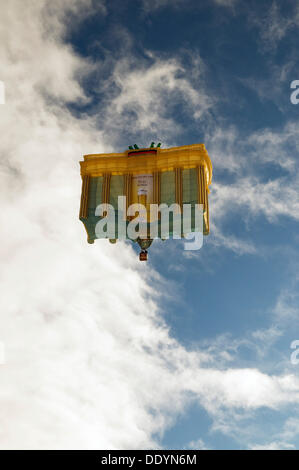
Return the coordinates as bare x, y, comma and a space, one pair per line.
276, 445
258, 198
141, 95
286, 308
228, 240
156, 4
290, 429
152, 5
286, 438
242, 388
197, 445
274, 92
245, 160
226, 3
275, 24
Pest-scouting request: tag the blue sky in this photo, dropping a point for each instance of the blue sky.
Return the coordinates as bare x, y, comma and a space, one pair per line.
191, 350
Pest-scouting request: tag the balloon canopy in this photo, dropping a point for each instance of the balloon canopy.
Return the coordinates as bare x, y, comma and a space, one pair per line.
124, 194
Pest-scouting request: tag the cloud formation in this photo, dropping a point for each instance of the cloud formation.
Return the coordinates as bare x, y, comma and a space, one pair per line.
275, 24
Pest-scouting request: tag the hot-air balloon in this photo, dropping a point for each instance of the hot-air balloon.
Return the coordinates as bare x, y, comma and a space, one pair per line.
143, 181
